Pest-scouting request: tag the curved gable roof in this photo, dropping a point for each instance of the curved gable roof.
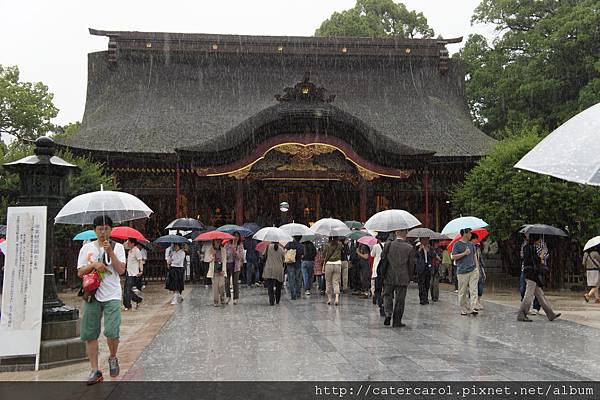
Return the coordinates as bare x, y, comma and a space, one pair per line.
160, 98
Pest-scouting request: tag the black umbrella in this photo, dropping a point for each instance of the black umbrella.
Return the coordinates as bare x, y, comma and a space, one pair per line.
252, 226
147, 245
541, 229
169, 239
185, 224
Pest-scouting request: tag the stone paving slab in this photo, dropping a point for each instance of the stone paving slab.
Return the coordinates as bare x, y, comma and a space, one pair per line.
308, 340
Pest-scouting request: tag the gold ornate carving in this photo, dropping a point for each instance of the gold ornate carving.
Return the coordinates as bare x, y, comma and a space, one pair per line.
366, 174
299, 164
201, 171
305, 152
240, 173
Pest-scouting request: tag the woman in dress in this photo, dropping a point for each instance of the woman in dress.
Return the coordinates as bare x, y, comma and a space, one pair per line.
217, 271
273, 271
176, 273
591, 261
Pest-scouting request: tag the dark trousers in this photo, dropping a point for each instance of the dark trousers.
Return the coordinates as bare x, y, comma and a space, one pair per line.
128, 294
394, 297
250, 269
454, 277
235, 276
274, 288
354, 276
205, 267
423, 278
365, 277
378, 295
435, 286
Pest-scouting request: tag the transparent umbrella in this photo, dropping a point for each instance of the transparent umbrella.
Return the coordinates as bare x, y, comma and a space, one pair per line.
119, 206
272, 234
392, 220
570, 152
330, 227
294, 229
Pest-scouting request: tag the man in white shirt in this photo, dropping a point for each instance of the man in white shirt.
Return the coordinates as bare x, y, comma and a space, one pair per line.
108, 260
206, 260
135, 267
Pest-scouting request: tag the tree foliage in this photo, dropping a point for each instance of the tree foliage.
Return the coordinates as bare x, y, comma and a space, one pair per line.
376, 18
25, 108
507, 198
542, 68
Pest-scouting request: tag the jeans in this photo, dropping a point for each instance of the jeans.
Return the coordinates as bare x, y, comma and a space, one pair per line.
128, 294
250, 268
294, 279
321, 282
235, 276
522, 286
307, 273
258, 271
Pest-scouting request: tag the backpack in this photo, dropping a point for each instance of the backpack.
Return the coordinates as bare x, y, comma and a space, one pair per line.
290, 256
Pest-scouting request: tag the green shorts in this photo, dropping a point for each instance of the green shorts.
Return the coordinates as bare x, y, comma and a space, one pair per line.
92, 316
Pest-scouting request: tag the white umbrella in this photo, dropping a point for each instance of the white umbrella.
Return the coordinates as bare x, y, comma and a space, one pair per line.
272, 234
595, 241
119, 206
392, 220
294, 229
570, 152
330, 227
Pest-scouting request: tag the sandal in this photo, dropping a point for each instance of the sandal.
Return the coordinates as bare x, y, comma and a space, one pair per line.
586, 297
597, 301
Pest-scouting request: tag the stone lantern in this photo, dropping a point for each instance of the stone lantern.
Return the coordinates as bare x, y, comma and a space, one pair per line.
44, 183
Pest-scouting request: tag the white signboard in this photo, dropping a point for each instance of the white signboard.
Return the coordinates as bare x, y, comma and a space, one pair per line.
23, 290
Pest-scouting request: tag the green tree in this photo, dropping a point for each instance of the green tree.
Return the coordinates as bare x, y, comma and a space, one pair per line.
507, 198
376, 18
541, 69
25, 108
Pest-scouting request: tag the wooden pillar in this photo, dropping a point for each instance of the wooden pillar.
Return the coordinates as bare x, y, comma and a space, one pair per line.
318, 206
426, 189
239, 202
437, 214
178, 192
363, 201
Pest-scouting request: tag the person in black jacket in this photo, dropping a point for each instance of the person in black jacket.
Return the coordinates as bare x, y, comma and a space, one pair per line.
533, 264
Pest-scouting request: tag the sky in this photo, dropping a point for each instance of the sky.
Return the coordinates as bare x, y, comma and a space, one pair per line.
49, 40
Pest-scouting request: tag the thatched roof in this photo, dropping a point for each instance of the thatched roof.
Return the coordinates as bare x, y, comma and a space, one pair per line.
155, 93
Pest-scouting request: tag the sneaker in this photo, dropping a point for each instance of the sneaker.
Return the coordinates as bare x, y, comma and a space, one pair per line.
143, 287
456, 291
124, 309
217, 304
363, 296
95, 377
235, 302
387, 321
474, 312
179, 298
534, 312
227, 300
307, 293
174, 301
137, 305
463, 313
523, 318
113, 364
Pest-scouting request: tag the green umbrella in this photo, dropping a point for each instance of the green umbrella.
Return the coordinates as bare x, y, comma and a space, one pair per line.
354, 224
355, 235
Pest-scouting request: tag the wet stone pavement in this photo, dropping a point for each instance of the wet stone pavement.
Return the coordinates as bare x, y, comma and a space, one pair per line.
308, 340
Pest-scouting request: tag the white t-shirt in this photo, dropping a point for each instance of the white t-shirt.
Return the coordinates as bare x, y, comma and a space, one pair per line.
376, 252
144, 254
168, 253
177, 259
206, 251
134, 259
110, 286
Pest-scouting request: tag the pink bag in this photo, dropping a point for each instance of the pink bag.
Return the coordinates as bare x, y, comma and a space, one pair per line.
91, 282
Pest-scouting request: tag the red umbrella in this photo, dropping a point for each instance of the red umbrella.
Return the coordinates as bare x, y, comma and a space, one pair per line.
125, 232
213, 235
482, 233
262, 246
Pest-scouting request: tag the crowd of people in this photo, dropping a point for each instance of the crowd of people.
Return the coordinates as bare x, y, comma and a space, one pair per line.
381, 272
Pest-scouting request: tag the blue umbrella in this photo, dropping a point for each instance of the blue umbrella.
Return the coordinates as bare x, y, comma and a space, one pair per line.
453, 227
231, 229
85, 235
